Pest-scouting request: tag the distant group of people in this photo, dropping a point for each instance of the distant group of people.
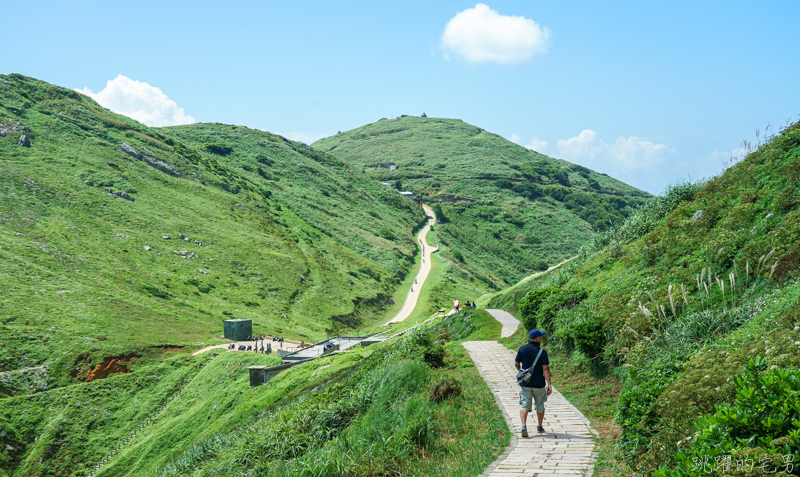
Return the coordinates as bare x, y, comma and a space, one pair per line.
254, 347
457, 305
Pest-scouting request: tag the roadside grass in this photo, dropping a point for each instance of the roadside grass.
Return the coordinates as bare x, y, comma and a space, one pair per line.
674, 303
532, 211
307, 248
375, 418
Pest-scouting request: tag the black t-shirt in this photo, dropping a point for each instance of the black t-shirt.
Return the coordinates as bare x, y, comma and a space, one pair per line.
525, 357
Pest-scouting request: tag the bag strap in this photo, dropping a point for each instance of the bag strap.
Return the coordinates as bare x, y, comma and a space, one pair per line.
535, 361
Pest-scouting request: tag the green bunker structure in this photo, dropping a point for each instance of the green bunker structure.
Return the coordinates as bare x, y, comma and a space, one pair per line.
238, 330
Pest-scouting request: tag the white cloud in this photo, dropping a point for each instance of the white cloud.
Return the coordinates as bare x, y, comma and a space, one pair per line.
515, 139
537, 145
140, 101
584, 145
622, 154
481, 34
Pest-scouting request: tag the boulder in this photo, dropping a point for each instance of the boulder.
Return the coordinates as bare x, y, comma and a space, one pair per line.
202, 271
698, 215
147, 247
129, 150
424, 115
166, 237
89, 183
24, 141
162, 166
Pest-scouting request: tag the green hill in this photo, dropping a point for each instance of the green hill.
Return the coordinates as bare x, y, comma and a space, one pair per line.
531, 211
688, 316
121, 240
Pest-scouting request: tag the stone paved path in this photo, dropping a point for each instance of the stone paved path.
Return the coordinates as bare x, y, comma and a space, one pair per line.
510, 324
566, 449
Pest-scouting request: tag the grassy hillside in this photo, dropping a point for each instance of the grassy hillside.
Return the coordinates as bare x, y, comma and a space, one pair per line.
691, 305
128, 242
532, 211
389, 408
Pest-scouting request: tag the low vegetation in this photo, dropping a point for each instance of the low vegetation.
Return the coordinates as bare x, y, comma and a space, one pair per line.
692, 290
121, 240
503, 210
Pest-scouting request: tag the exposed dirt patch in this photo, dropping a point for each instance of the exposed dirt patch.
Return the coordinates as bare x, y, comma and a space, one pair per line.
109, 366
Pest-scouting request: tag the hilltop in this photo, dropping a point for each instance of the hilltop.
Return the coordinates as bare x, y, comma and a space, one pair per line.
681, 326
124, 242
505, 211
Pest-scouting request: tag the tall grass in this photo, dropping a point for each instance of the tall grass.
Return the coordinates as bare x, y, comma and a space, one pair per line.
644, 219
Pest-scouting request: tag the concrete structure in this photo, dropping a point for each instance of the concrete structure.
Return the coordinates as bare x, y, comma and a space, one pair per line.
387, 164
261, 374
371, 341
238, 330
407, 194
386, 184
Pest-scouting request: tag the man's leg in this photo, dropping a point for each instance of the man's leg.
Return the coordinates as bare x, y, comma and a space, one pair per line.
540, 415
523, 414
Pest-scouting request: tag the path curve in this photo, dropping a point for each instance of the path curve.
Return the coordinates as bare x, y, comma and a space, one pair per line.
566, 449
510, 324
411, 297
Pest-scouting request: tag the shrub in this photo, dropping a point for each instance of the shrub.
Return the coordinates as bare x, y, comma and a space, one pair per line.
765, 415
434, 355
588, 336
504, 183
447, 389
387, 234
218, 149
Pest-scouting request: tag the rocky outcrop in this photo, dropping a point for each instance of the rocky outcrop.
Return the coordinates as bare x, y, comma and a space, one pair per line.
129, 150
12, 126
149, 160
162, 166
114, 194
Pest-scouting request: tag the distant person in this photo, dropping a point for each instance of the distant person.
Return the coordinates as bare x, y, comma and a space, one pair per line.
534, 389
474, 306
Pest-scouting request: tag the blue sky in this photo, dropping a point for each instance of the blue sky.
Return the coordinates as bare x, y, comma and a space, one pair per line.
647, 92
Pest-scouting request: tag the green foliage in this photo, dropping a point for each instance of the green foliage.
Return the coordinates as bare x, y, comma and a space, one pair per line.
503, 183
445, 158
528, 190
765, 415
96, 265
218, 149
381, 407
679, 297
589, 336
540, 306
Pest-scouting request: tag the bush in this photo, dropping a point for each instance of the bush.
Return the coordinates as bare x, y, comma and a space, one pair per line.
434, 355
504, 183
387, 234
764, 420
218, 149
588, 337
528, 190
447, 389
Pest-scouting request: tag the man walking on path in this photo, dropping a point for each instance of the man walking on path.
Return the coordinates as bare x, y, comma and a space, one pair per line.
534, 389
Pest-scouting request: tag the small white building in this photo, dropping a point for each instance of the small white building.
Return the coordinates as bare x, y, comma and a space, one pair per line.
407, 194
386, 184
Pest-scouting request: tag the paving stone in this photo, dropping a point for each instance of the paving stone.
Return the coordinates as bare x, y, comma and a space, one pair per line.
566, 449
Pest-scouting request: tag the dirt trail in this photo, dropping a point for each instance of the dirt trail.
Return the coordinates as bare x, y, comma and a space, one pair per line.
424, 269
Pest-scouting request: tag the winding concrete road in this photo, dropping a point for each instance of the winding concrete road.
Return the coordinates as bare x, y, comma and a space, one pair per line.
567, 447
510, 324
424, 269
